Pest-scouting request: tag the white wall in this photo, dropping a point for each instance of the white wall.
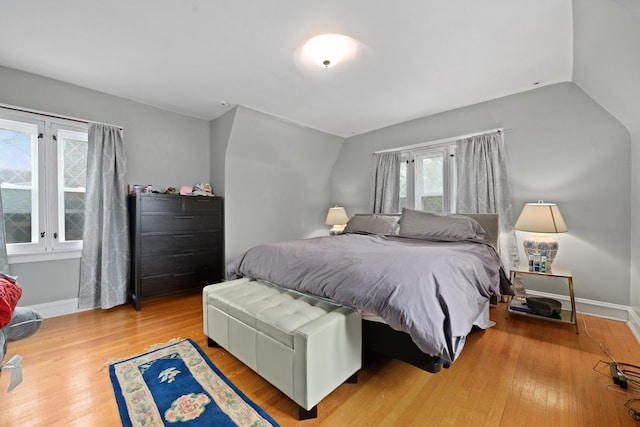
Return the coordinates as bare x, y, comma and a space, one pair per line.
606, 64
561, 147
277, 181
162, 148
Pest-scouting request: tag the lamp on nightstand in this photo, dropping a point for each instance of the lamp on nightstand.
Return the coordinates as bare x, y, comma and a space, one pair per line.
337, 217
541, 218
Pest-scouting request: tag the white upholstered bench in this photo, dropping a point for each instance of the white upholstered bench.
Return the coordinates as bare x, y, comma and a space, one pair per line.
304, 346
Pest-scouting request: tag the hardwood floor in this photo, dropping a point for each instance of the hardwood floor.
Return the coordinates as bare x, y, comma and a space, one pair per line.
522, 372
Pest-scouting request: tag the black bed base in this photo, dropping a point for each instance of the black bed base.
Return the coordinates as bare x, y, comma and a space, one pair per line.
381, 339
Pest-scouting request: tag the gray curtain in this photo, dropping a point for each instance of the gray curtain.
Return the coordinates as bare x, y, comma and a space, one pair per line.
104, 266
386, 186
4, 261
483, 187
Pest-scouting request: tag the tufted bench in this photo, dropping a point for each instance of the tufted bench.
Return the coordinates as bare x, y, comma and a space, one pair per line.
304, 346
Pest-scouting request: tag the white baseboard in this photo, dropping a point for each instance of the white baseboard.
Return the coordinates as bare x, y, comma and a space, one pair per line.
590, 307
634, 323
57, 308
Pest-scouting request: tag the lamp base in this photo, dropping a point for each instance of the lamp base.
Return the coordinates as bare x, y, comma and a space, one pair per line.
337, 229
541, 244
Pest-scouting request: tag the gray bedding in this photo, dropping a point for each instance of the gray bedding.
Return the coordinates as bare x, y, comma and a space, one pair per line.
433, 290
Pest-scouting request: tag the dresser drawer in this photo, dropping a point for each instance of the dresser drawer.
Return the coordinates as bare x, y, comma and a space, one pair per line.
160, 204
202, 204
179, 223
166, 284
158, 244
178, 263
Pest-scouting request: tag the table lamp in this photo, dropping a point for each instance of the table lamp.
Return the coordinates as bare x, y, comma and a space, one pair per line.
337, 217
541, 218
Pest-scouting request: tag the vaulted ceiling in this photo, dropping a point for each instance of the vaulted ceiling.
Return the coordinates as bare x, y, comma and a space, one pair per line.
200, 57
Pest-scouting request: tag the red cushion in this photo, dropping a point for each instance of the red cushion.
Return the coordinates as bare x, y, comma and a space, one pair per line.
10, 293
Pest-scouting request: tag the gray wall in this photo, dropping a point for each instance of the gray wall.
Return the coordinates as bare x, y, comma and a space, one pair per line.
561, 147
606, 64
162, 148
220, 135
277, 180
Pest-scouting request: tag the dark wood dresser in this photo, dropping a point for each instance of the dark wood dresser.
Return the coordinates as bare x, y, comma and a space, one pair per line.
177, 243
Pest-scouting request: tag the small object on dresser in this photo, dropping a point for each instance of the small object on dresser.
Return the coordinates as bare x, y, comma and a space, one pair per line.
543, 264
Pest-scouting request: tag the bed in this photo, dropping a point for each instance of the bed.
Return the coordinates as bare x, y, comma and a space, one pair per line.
420, 280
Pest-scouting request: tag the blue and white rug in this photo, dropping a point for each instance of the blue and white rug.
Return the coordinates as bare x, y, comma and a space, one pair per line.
178, 385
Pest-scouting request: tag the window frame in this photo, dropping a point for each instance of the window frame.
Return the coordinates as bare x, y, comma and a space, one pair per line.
45, 199
445, 150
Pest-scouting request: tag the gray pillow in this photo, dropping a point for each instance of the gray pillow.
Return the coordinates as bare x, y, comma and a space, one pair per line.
372, 224
428, 225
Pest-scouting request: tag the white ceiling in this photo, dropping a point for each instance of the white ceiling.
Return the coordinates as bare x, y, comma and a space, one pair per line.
416, 57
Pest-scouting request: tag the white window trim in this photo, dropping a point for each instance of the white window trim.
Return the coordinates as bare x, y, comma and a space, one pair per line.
447, 150
54, 250
20, 258
57, 175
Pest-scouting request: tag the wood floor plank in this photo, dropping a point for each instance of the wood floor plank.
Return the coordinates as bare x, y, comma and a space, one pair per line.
522, 372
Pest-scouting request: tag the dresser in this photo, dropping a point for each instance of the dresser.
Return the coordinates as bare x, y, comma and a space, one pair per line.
177, 243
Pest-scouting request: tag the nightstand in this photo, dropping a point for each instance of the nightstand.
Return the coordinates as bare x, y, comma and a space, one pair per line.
568, 316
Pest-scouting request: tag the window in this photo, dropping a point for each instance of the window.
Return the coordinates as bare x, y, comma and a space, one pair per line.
43, 163
427, 178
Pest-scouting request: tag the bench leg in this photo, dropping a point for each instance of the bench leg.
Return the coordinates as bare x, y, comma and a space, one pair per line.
303, 414
212, 343
353, 379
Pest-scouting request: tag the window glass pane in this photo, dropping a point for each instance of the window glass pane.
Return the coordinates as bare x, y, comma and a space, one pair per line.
18, 178
73, 167
403, 183
430, 182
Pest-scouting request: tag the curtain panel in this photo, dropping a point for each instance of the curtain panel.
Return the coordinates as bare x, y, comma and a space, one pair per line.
386, 186
483, 187
4, 261
104, 266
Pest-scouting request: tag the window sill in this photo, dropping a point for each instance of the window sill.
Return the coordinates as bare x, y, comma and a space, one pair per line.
38, 257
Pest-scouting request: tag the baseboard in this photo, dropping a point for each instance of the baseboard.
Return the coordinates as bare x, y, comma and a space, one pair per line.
590, 307
634, 323
57, 308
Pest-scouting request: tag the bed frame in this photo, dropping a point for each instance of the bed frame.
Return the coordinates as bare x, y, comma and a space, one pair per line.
380, 338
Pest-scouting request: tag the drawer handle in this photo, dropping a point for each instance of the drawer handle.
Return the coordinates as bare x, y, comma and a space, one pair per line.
183, 274
203, 201
181, 255
183, 217
183, 236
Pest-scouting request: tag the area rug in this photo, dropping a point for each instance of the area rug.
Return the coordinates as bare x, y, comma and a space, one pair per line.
177, 384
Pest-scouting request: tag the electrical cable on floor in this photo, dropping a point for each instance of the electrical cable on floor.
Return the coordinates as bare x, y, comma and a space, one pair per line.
621, 377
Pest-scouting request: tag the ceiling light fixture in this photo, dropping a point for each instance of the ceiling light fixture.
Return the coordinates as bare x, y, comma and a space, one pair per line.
327, 50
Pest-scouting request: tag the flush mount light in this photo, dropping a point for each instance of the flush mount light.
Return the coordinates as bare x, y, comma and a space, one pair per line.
327, 50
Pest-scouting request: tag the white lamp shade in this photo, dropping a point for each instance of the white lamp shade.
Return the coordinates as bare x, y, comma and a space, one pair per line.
337, 216
541, 218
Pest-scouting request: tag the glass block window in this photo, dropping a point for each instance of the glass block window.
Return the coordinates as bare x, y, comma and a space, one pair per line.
72, 164
18, 179
43, 163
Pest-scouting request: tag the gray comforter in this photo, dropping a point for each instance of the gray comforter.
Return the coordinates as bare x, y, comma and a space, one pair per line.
432, 290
